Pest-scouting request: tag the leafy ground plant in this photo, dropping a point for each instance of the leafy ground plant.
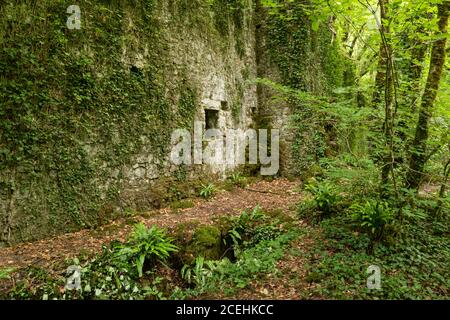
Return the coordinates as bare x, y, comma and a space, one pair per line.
208, 191
324, 202
238, 180
415, 266
146, 245
199, 273
373, 217
5, 273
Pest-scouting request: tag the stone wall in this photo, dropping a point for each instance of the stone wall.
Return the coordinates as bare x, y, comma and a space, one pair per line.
141, 69
87, 115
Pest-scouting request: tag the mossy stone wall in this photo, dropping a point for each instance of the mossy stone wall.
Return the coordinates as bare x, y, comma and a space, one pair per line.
86, 115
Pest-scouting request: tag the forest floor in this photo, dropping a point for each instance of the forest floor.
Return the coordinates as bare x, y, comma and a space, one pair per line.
274, 195
280, 194
325, 260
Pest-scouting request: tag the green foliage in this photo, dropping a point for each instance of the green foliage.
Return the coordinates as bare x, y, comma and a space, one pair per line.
37, 287
413, 267
208, 191
76, 109
116, 273
325, 196
311, 66
299, 48
253, 262
243, 227
106, 277
257, 245
373, 217
227, 276
238, 180
354, 176
198, 274
324, 203
102, 277
146, 245
187, 107
228, 13
264, 233
78, 106
182, 204
5, 273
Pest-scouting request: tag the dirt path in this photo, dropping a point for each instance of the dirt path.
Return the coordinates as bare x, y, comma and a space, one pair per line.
278, 194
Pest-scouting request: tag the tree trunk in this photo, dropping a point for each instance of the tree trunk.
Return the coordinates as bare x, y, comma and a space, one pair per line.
419, 146
385, 82
418, 56
380, 80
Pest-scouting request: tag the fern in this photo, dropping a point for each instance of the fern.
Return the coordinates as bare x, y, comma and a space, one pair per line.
150, 245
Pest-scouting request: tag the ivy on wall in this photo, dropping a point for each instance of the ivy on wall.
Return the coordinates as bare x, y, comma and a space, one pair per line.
307, 59
76, 105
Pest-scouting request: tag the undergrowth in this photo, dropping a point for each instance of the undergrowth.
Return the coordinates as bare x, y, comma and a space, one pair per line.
400, 234
146, 265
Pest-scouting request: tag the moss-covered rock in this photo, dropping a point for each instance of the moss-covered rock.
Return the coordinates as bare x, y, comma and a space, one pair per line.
198, 241
207, 242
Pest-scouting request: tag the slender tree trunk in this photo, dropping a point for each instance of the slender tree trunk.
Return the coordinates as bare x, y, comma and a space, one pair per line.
413, 69
419, 146
380, 80
388, 161
416, 69
385, 82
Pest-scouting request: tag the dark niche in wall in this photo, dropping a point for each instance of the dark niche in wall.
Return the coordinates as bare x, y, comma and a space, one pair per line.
211, 119
224, 105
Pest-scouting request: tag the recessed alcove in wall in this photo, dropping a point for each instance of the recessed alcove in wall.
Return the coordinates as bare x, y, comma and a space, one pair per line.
224, 105
211, 119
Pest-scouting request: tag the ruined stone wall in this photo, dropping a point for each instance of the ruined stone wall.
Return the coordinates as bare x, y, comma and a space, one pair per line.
290, 53
87, 115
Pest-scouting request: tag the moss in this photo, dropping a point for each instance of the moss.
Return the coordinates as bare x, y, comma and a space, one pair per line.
182, 204
195, 241
314, 171
207, 242
207, 236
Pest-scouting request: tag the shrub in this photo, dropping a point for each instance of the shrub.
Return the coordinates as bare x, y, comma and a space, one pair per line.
146, 245
238, 180
208, 191
325, 199
373, 218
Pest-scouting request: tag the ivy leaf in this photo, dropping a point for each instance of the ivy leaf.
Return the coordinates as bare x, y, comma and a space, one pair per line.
315, 25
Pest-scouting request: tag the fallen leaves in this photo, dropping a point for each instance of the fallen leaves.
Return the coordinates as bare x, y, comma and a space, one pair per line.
45, 253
